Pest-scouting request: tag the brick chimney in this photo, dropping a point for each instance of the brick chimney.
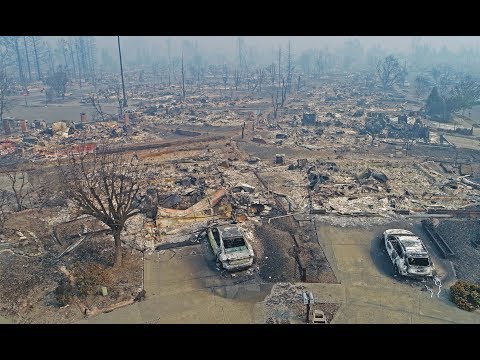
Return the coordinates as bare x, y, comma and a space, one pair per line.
23, 125
6, 127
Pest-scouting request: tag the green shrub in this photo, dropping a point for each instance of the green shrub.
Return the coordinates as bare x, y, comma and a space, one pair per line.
466, 295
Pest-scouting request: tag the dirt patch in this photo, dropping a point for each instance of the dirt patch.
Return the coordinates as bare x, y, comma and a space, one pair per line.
291, 252
298, 239
278, 262
285, 305
30, 274
27, 220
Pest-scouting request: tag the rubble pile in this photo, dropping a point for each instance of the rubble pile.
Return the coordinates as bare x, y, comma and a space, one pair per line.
284, 305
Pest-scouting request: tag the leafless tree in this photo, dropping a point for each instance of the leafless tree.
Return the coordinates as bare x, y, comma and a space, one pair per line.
3, 206
250, 80
299, 83
389, 71
261, 75
466, 93
236, 78
95, 101
36, 49
27, 58
375, 126
5, 86
58, 81
7, 51
225, 76
183, 79
19, 64
422, 85
272, 70
241, 54
169, 45
49, 57
275, 101
284, 89
104, 186
76, 50
279, 66
319, 64
71, 51
91, 51
290, 68
21, 188
62, 45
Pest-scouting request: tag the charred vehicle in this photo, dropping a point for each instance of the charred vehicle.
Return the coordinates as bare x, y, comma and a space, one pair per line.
408, 253
230, 247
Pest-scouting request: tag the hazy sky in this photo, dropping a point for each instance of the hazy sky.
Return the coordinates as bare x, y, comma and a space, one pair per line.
298, 43
223, 49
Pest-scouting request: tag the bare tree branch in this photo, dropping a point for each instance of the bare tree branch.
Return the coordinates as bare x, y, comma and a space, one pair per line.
104, 186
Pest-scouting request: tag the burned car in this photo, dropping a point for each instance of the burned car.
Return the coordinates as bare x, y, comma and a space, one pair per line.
408, 253
230, 247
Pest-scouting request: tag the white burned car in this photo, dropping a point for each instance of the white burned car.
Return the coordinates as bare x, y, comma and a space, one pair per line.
408, 253
230, 247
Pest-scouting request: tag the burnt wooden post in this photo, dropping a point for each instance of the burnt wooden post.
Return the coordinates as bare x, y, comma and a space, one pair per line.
308, 300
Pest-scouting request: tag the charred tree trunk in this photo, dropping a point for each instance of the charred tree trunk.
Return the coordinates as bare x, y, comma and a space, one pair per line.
275, 104
79, 67
284, 92
289, 69
64, 55
28, 59
70, 49
118, 248
279, 65
83, 57
51, 63
91, 53
19, 63
169, 62
183, 80
37, 63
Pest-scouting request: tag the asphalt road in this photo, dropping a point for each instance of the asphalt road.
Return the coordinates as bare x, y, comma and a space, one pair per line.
67, 110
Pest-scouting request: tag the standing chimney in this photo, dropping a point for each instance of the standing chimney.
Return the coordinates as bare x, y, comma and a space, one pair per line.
6, 127
23, 125
127, 119
83, 118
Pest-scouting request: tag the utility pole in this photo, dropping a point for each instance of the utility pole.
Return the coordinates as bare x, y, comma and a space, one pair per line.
121, 72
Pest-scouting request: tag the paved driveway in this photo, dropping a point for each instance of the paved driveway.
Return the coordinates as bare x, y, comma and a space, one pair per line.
182, 287
368, 290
